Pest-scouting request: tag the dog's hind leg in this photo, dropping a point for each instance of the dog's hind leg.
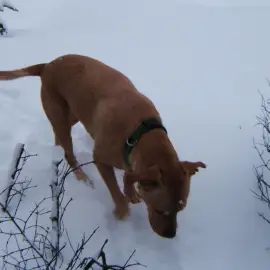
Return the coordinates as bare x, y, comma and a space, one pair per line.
120, 200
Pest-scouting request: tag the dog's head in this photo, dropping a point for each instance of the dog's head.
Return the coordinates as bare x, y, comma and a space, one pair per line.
165, 192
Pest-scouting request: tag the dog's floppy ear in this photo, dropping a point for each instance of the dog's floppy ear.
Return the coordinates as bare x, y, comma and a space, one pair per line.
192, 167
148, 179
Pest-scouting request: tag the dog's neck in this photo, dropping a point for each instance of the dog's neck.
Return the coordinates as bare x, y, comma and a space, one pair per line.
153, 148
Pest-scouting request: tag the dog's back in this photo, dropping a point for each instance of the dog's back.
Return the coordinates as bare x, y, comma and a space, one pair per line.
102, 98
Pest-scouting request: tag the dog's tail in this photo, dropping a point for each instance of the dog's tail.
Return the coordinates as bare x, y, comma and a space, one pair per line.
34, 70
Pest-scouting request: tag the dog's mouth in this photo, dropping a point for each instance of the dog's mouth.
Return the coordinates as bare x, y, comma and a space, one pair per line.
167, 233
165, 228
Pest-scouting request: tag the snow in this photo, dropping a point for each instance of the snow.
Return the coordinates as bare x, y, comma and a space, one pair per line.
201, 62
10, 177
54, 211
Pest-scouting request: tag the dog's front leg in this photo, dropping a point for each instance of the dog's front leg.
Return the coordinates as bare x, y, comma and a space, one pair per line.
121, 203
66, 143
130, 191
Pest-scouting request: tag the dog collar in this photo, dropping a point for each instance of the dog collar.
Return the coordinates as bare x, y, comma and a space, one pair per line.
132, 140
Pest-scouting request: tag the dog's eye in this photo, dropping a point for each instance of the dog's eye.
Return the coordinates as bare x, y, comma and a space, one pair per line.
180, 205
181, 202
163, 213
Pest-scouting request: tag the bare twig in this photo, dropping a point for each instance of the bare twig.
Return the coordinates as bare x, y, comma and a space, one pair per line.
89, 262
55, 231
70, 170
13, 169
262, 172
41, 247
7, 4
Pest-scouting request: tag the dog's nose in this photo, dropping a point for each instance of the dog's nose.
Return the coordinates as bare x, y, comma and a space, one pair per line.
169, 233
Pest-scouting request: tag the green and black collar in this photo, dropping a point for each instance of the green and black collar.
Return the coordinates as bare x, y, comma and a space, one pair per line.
132, 140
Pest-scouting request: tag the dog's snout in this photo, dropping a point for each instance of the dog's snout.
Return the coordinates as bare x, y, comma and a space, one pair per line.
169, 233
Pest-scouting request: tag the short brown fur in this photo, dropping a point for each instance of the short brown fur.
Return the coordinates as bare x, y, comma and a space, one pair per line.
78, 88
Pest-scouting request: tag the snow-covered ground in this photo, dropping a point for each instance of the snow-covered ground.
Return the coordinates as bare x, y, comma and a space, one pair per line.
202, 66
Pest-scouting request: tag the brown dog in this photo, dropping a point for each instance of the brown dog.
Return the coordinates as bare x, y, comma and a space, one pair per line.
127, 131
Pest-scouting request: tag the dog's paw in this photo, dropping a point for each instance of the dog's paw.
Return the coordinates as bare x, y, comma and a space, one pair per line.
135, 197
121, 211
121, 214
82, 176
132, 194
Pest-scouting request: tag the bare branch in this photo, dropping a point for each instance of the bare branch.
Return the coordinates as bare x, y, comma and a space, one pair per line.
7, 4
262, 172
41, 247
10, 182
